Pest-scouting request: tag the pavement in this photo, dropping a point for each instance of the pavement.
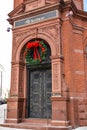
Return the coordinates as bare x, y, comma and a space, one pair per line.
3, 116
81, 128
5, 128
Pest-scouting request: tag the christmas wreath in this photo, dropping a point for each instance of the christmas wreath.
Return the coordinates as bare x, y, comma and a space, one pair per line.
35, 52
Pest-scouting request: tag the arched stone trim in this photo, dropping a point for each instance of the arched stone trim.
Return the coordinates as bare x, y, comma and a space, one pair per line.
45, 37
85, 42
85, 47
51, 42
85, 60
85, 50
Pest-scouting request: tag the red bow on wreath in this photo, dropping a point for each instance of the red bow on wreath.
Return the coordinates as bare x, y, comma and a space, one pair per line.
35, 46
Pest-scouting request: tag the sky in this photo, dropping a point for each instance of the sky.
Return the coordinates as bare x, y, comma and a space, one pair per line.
85, 5
6, 6
5, 42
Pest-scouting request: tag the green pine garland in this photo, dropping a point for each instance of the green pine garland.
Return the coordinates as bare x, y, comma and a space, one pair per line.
42, 49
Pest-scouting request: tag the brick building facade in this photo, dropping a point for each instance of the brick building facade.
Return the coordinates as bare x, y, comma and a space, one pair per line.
53, 92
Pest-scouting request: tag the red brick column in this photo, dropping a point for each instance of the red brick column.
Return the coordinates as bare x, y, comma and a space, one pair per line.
15, 105
59, 102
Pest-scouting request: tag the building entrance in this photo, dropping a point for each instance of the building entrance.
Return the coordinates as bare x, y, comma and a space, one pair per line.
39, 93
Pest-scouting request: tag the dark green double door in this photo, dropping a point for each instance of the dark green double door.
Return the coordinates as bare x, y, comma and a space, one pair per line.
39, 99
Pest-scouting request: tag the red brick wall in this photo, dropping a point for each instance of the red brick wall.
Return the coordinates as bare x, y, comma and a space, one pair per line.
17, 2
74, 38
79, 4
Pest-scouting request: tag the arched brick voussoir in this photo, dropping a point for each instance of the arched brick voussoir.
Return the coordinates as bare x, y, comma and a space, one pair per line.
48, 39
85, 41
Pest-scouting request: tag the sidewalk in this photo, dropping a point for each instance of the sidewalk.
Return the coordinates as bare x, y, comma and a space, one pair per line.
2, 116
5, 128
81, 128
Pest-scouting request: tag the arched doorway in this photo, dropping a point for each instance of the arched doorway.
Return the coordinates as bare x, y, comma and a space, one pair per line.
39, 87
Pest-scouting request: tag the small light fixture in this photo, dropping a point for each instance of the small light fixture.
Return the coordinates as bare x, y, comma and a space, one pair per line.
9, 29
70, 13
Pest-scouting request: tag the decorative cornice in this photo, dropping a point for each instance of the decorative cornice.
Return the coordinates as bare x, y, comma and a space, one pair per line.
17, 63
75, 26
17, 15
57, 57
71, 6
19, 9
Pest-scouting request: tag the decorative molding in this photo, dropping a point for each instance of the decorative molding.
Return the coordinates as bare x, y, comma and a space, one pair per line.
56, 77
35, 4
57, 57
21, 79
36, 18
78, 51
78, 31
56, 94
15, 63
79, 72
51, 31
18, 10
79, 28
14, 81
51, 1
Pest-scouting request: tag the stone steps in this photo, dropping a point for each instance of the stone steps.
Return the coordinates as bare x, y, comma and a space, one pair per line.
35, 126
